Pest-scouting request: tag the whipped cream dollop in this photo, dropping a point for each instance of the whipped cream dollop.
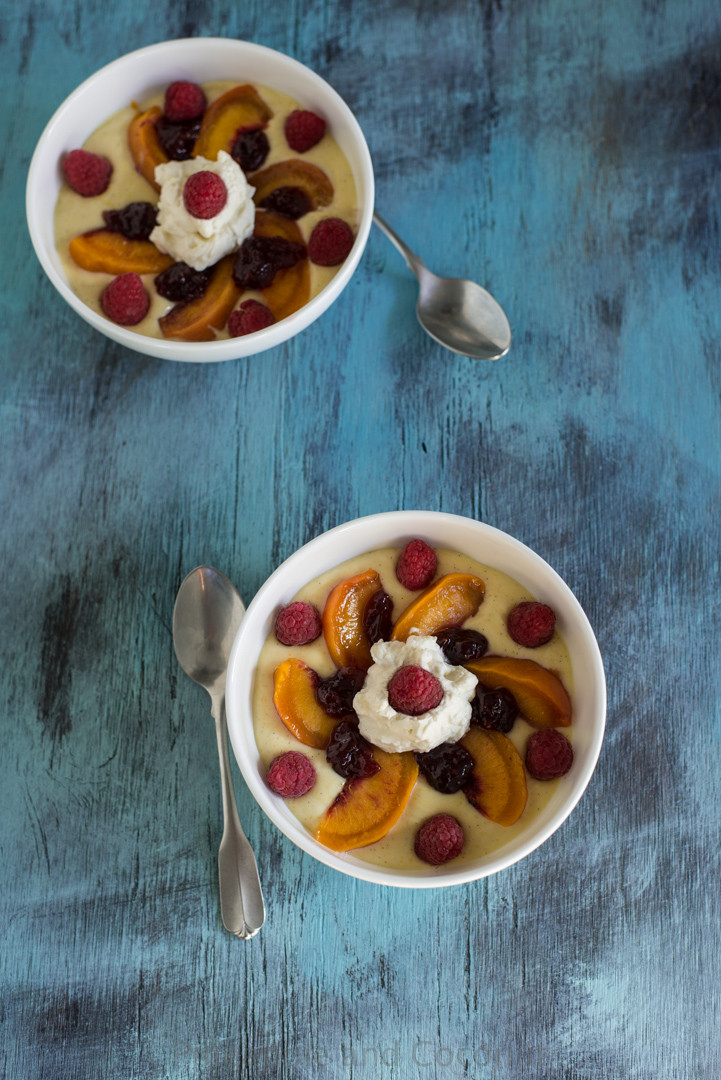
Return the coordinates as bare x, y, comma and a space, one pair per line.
395, 732
196, 241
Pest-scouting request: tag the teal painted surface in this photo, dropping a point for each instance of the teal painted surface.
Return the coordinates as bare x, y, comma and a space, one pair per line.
568, 156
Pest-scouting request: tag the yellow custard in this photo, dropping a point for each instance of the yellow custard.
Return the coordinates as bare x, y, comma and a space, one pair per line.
75, 214
482, 836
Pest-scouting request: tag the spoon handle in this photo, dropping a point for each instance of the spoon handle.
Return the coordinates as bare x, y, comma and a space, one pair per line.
241, 898
413, 261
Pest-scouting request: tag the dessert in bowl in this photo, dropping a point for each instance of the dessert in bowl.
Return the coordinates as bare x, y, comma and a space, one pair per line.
304, 140
293, 718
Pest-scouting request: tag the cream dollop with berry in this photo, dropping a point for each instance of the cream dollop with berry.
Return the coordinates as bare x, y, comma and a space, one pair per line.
197, 240
395, 731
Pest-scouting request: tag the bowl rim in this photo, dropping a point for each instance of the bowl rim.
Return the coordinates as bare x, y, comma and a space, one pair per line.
281, 586
195, 52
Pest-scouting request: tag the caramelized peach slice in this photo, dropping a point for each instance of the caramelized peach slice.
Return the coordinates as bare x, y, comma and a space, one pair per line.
366, 809
541, 696
497, 787
145, 149
343, 631
199, 319
293, 173
446, 602
294, 684
239, 107
290, 288
112, 253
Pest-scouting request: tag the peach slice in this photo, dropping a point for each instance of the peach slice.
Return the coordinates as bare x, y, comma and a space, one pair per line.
367, 808
497, 787
112, 253
541, 696
294, 684
293, 173
240, 107
290, 288
446, 602
145, 149
198, 319
343, 631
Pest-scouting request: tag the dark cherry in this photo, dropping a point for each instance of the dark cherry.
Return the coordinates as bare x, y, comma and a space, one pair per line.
177, 137
447, 767
250, 149
261, 257
349, 753
460, 646
335, 694
136, 220
378, 617
494, 709
291, 202
181, 283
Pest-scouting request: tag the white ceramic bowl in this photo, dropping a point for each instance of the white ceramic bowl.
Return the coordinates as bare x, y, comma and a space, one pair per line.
487, 545
136, 77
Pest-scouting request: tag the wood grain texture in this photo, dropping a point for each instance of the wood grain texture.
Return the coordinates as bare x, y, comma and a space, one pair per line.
568, 156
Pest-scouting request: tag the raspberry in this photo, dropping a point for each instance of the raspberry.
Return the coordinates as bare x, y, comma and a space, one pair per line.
290, 774
416, 565
298, 624
125, 300
303, 129
249, 317
548, 754
439, 839
330, 242
204, 194
531, 624
413, 690
88, 174
184, 101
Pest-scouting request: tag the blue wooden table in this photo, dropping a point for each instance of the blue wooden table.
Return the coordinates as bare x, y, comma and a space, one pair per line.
568, 156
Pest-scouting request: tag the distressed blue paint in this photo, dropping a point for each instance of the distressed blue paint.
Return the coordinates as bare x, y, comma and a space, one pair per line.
576, 154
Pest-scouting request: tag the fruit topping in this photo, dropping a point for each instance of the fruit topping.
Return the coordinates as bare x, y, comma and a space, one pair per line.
204, 194
198, 320
303, 129
249, 317
349, 753
290, 774
335, 694
112, 253
495, 710
439, 839
184, 101
291, 202
378, 617
497, 787
531, 624
88, 174
447, 767
413, 690
250, 149
298, 624
541, 696
125, 300
330, 242
416, 565
343, 628
447, 602
135, 221
177, 138
143, 143
261, 257
294, 697
296, 174
367, 807
181, 283
461, 645
548, 754
290, 288
239, 108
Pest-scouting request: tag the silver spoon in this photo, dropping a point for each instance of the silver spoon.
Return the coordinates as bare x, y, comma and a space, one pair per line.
206, 617
458, 314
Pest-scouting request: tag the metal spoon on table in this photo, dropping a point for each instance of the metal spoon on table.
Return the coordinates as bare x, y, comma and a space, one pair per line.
458, 314
206, 617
